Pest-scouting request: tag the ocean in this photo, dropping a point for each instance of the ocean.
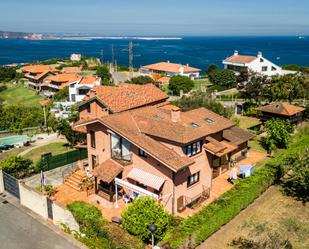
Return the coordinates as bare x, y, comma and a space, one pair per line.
195, 51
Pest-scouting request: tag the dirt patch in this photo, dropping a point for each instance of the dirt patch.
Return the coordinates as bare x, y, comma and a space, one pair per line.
288, 217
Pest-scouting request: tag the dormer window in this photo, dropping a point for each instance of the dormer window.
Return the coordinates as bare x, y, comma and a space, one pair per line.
193, 149
209, 120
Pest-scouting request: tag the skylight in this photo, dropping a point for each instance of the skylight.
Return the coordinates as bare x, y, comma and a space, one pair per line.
209, 120
195, 125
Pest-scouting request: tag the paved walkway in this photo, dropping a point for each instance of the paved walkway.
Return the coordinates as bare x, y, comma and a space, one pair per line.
19, 230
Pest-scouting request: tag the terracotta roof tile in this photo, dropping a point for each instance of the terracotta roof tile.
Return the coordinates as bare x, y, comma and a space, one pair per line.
237, 135
38, 69
170, 67
240, 59
164, 80
89, 80
282, 109
108, 170
126, 96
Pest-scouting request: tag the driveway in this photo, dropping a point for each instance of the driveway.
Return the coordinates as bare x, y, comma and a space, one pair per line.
18, 230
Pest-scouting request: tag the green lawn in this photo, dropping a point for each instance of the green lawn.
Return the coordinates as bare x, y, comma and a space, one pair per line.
10, 153
198, 84
87, 72
54, 148
20, 95
247, 122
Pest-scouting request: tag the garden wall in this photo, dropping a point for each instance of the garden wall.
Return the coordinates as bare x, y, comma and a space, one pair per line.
64, 216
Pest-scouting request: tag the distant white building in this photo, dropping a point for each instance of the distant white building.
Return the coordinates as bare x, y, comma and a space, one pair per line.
76, 57
257, 64
169, 69
79, 89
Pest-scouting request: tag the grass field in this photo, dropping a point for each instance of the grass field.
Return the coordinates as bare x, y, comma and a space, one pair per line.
13, 152
200, 83
273, 216
20, 95
247, 122
54, 148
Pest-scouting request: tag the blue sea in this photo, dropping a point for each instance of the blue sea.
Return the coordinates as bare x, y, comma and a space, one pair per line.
195, 51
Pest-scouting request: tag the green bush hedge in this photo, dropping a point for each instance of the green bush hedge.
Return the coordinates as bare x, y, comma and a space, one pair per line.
197, 228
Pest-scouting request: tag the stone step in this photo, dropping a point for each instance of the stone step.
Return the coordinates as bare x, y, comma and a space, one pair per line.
72, 185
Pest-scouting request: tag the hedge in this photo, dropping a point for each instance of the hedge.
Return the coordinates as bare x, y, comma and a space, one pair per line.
197, 228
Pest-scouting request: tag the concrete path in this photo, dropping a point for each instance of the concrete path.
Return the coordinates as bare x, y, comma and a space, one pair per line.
19, 230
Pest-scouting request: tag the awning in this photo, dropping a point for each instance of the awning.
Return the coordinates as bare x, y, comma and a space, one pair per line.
146, 178
141, 191
107, 171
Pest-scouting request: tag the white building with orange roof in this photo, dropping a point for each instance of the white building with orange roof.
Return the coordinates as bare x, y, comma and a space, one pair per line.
57, 82
79, 89
169, 69
256, 64
37, 73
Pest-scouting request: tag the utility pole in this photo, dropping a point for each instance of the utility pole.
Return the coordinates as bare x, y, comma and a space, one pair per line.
101, 54
113, 55
131, 59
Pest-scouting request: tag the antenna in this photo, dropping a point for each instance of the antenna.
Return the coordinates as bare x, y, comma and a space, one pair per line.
101, 54
131, 59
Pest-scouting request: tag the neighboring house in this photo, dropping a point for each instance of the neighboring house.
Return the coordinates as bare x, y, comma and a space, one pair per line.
79, 89
256, 64
164, 80
141, 145
76, 57
57, 82
292, 113
37, 73
169, 69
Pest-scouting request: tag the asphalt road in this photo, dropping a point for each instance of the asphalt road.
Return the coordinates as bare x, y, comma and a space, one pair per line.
18, 230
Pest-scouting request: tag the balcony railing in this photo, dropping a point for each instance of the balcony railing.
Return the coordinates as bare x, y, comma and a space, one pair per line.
121, 158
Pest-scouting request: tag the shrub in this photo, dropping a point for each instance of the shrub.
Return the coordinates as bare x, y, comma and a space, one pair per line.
103, 72
91, 224
49, 189
16, 166
179, 82
143, 212
140, 80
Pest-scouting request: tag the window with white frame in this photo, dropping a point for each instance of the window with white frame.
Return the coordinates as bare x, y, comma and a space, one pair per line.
192, 179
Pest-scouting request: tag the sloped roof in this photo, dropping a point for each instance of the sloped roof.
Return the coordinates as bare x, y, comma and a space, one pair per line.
64, 77
164, 80
170, 67
89, 79
237, 135
240, 59
108, 170
282, 109
38, 69
126, 96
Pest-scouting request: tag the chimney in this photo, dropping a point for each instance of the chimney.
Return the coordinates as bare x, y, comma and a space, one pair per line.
235, 52
187, 64
175, 114
259, 55
168, 61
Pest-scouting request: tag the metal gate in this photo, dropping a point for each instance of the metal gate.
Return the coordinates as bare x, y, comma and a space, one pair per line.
50, 208
11, 184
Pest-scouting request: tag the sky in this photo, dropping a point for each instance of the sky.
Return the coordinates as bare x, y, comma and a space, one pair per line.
157, 17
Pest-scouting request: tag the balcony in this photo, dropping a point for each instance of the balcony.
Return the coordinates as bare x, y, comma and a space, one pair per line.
121, 158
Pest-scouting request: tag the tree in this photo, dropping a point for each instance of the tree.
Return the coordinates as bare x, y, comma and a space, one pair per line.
296, 181
222, 77
212, 68
277, 134
201, 99
16, 166
7, 73
179, 82
103, 72
140, 80
64, 128
143, 212
254, 89
62, 94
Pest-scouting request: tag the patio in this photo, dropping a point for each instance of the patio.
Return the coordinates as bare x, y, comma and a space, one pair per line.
66, 194
221, 184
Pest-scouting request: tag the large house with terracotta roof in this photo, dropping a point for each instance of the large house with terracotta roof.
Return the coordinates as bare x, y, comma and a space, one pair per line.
286, 111
37, 73
161, 69
256, 64
140, 145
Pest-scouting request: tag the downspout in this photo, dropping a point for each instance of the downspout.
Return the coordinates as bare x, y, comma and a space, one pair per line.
173, 199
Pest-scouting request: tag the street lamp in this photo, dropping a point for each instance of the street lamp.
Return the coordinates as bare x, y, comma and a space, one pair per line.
152, 229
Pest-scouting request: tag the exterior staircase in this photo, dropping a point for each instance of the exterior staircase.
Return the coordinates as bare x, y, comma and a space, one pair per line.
75, 179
